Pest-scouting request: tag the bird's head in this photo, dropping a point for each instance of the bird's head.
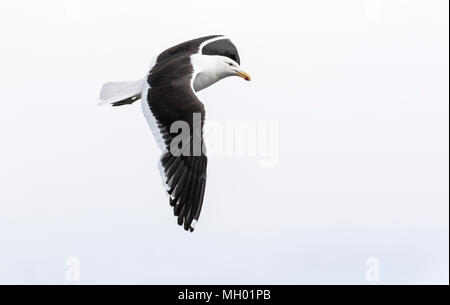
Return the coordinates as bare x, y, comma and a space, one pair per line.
212, 68
232, 68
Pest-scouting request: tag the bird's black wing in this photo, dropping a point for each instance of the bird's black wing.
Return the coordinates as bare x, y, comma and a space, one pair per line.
186, 48
170, 98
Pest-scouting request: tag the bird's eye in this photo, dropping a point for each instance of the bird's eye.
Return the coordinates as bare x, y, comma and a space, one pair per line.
230, 64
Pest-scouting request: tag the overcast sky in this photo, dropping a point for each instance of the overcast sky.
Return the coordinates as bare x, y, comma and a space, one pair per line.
358, 91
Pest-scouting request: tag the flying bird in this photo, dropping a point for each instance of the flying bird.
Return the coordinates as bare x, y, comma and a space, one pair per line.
168, 95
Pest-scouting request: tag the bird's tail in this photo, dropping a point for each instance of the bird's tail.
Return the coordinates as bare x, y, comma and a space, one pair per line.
121, 93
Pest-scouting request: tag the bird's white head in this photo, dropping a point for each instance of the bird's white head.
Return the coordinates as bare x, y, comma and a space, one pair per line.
231, 68
211, 69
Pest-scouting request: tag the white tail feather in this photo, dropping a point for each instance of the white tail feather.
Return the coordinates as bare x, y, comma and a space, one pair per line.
113, 92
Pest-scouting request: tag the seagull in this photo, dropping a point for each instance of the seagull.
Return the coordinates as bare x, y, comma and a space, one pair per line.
168, 96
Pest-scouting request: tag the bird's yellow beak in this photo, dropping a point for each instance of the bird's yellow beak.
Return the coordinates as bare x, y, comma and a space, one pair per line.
243, 74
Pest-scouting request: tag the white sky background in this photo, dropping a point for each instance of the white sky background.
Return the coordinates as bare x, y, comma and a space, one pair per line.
360, 91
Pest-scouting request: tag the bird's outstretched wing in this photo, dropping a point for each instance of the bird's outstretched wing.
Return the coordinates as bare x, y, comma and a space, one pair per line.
168, 98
